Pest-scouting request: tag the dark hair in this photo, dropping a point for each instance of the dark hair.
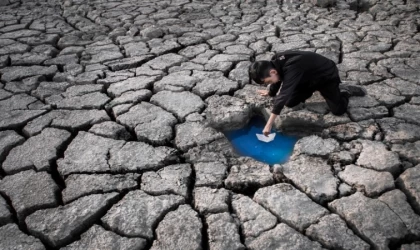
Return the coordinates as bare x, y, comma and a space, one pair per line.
260, 70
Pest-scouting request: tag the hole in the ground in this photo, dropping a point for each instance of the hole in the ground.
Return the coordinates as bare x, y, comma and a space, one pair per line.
246, 143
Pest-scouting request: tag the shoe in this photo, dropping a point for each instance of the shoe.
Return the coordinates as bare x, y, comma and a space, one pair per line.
345, 93
352, 90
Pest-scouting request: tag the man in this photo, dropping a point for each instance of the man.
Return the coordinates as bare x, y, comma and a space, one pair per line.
293, 76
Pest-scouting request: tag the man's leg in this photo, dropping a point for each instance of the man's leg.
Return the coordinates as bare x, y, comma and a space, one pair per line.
336, 100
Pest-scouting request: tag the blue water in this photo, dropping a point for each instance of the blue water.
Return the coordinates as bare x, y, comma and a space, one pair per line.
245, 143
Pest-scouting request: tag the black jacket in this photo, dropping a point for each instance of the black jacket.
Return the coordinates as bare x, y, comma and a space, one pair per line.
299, 71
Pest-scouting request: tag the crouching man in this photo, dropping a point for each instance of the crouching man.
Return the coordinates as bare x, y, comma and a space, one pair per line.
293, 76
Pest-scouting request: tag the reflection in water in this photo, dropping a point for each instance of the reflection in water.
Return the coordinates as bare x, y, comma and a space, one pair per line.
245, 143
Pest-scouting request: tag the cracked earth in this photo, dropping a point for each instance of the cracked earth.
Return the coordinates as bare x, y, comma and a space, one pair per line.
111, 112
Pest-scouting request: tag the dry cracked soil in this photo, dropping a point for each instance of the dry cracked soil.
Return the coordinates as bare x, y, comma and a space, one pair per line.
111, 111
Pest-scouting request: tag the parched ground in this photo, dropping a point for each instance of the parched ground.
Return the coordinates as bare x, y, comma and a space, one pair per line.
105, 143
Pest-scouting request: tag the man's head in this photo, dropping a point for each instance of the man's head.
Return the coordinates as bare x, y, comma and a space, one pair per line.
263, 72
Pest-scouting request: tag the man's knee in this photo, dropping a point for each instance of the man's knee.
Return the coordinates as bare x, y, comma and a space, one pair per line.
296, 100
338, 112
291, 104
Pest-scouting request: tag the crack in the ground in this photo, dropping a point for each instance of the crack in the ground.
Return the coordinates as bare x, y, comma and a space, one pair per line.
355, 230
55, 175
341, 55
22, 226
331, 211
236, 10
95, 220
410, 199
159, 219
393, 243
204, 232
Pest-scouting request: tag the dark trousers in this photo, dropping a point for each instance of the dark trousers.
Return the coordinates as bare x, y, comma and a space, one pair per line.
336, 101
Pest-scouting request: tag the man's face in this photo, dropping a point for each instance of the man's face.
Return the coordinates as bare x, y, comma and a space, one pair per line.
273, 78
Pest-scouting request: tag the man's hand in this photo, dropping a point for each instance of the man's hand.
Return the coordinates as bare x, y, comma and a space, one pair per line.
269, 125
267, 129
262, 92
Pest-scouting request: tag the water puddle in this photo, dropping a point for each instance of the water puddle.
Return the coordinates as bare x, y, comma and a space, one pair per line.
245, 143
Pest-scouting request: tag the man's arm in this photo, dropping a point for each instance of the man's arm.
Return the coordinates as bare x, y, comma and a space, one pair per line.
290, 81
269, 125
273, 89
